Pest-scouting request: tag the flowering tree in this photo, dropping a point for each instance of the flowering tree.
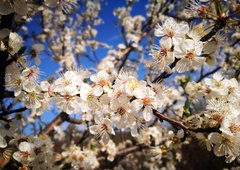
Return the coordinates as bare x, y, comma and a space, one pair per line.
183, 114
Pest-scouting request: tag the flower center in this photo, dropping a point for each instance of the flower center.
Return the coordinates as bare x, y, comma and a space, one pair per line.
218, 118
102, 82
104, 127
118, 94
26, 154
67, 97
163, 52
31, 72
170, 33
121, 111
234, 128
37, 151
66, 83
200, 10
132, 84
190, 54
146, 101
32, 95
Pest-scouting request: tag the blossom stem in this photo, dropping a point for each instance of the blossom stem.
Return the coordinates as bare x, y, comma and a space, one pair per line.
165, 74
181, 124
170, 120
219, 24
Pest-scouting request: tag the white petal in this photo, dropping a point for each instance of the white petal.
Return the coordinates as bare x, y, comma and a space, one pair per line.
38, 47
134, 131
211, 60
167, 41
97, 90
17, 156
214, 137
20, 7
177, 39
159, 31
218, 150
111, 131
179, 51
147, 113
94, 129
182, 65
209, 146
140, 93
217, 76
3, 142
198, 62
183, 27
85, 107
165, 44
170, 58
37, 61
107, 121
137, 104
105, 138
93, 78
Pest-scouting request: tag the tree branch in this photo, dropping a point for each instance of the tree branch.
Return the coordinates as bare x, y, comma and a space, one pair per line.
182, 125
165, 74
130, 48
62, 117
8, 112
170, 120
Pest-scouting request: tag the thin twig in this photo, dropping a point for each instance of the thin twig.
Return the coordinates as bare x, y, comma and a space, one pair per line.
182, 125
209, 73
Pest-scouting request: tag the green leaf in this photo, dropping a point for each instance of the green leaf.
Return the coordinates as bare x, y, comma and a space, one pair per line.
186, 106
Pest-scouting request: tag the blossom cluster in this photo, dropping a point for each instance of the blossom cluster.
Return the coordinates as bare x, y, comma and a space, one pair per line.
35, 152
124, 103
222, 112
182, 45
80, 159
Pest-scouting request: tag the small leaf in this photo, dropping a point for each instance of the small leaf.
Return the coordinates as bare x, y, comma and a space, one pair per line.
21, 50
186, 108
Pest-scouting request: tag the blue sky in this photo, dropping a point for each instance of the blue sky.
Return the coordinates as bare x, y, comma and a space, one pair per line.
107, 33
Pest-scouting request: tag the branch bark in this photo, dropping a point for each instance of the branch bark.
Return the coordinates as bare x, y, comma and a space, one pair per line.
62, 117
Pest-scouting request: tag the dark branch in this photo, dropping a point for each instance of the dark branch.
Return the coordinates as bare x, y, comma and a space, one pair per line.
6, 22
209, 73
219, 24
8, 112
165, 74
